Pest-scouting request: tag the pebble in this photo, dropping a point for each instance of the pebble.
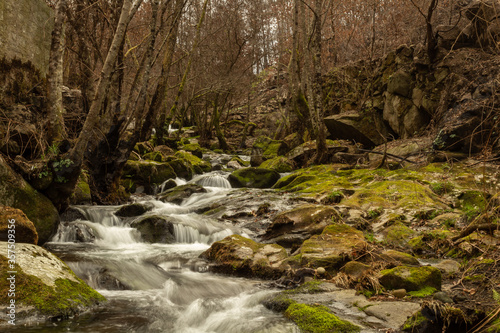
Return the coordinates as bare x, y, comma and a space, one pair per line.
399, 293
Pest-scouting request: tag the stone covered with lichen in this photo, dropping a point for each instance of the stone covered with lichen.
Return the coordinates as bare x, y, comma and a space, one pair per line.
253, 178
45, 287
411, 278
337, 244
244, 257
292, 227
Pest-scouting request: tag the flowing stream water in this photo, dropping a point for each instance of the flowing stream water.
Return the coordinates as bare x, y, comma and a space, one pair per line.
161, 287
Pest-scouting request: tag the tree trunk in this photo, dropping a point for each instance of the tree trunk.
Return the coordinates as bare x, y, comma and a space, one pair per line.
55, 122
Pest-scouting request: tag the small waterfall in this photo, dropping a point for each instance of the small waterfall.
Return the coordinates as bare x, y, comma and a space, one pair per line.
101, 215
212, 180
188, 234
77, 231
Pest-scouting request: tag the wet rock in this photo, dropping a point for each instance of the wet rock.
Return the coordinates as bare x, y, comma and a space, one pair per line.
244, 257
72, 214
234, 165
155, 229
167, 185
411, 278
337, 244
135, 209
15, 192
22, 228
39, 272
292, 227
397, 258
253, 177
177, 194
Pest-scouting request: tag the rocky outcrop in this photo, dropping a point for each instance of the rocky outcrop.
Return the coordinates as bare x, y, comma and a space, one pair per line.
253, 177
17, 193
46, 288
244, 257
22, 229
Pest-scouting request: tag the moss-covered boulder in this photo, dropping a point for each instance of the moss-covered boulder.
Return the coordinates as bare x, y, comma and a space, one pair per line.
142, 148
199, 166
148, 173
398, 234
177, 194
254, 178
318, 319
337, 244
355, 269
155, 229
279, 164
135, 209
411, 278
46, 288
192, 148
21, 229
292, 227
17, 193
244, 257
181, 166
154, 156
270, 148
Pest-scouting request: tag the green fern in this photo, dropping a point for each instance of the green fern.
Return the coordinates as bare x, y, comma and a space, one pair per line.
496, 296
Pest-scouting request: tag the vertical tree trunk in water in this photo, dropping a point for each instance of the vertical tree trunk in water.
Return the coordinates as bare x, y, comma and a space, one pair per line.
55, 121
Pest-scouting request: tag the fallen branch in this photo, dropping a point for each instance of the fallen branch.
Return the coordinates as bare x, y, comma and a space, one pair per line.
489, 227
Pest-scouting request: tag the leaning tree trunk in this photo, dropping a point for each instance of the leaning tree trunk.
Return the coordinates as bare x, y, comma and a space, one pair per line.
67, 175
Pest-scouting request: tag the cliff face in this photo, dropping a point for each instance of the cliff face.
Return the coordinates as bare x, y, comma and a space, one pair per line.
25, 32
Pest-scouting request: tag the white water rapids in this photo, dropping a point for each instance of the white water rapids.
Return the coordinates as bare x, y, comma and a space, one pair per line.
161, 287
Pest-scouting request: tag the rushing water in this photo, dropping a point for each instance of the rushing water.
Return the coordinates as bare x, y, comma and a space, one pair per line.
161, 287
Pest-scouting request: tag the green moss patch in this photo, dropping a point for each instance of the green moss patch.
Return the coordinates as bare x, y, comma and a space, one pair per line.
411, 278
318, 319
424, 292
279, 164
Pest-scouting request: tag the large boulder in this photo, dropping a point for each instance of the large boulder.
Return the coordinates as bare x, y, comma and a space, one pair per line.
360, 128
46, 288
134, 209
244, 257
199, 165
148, 173
177, 194
411, 278
21, 228
253, 177
17, 193
337, 244
279, 164
404, 118
155, 229
292, 227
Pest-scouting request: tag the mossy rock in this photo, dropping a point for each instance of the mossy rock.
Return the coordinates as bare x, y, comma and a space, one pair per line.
81, 195
148, 172
181, 166
337, 244
355, 269
15, 192
254, 178
418, 323
237, 255
143, 148
133, 210
177, 194
434, 241
398, 234
45, 286
279, 164
270, 148
472, 203
240, 161
399, 258
154, 156
25, 231
411, 278
291, 228
192, 148
155, 229
318, 319
199, 166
